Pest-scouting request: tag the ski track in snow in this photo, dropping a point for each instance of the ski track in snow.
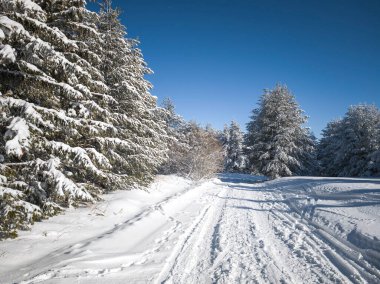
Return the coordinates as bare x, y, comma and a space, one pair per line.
225, 231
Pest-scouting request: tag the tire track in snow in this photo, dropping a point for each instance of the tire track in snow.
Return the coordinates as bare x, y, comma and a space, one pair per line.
252, 259
246, 233
263, 205
310, 252
192, 255
353, 266
56, 264
320, 245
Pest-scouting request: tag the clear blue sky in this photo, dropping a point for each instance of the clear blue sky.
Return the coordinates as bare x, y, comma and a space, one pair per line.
214, 57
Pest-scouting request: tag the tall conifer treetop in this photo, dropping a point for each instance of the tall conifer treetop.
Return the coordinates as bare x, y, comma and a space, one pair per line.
277, 143
232, 140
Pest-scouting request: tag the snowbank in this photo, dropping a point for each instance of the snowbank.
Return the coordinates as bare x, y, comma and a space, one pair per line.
82, 223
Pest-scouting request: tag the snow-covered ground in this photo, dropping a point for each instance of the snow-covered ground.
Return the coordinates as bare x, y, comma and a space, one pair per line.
232, 229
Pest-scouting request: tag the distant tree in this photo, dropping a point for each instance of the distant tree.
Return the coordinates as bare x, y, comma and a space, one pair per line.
328, 146
195, 152
233, 139
173, 121
349, 147
277, 143
225, 135
176, 128
204, 157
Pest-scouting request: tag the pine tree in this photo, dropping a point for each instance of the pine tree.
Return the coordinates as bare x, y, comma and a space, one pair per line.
176, 128
47, 115
234, 159
374, 156
225, 136
349, 147
139, 121
277, 144
72, 128
328, 146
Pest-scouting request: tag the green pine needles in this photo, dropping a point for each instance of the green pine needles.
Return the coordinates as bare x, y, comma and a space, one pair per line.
77, 116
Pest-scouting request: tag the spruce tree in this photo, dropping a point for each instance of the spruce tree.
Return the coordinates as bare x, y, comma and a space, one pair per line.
233, 145
70, 129
176, 128
225, 136
349, 146
141, 146
328, 146
277, 143
47, 117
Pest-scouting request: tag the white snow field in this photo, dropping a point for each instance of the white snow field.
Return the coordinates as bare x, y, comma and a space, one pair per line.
232, 229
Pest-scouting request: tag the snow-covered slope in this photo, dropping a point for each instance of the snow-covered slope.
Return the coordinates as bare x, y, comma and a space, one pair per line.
234, 229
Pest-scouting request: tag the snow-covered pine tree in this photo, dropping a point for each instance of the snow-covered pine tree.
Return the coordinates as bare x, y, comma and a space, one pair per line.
234, 160
308, 155
374, 157
349, 147
47, 161
172, 120
224, 137
328, 146
361, 126
374, 163
141, 146
277, 143
58, 122
176, 128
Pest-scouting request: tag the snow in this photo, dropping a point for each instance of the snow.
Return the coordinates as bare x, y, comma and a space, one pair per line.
29, 109
27, 5
17, 137
63, 186
7, 54
11, 192
80, 155
231, 229
54, 33
9, 26
32, 68
3, 179
99, 158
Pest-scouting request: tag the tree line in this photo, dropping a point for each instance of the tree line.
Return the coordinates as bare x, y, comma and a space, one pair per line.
276, 144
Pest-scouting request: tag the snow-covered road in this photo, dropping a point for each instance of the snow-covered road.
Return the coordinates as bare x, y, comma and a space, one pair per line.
228, 230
